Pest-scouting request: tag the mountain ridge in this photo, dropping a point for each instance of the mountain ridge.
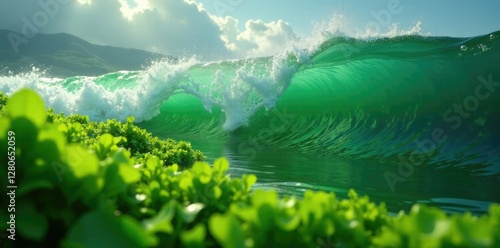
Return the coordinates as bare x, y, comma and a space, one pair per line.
66, 55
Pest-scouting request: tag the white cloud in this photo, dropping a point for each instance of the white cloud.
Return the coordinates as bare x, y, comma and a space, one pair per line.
264, 38
85, 2
173, 27
129, 12
257, 39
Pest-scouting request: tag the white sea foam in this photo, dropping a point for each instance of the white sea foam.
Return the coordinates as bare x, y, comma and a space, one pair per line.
244, 89
239, 90
238, 87
98, 102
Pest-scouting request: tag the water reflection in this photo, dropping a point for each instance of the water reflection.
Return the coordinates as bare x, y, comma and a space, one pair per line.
455, 189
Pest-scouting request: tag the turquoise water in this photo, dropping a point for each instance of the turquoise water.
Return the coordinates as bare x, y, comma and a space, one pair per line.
405, 119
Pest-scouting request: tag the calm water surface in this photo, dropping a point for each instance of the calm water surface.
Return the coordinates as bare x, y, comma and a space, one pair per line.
290, 172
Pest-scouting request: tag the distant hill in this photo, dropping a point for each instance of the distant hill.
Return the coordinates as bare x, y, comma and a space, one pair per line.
67, 55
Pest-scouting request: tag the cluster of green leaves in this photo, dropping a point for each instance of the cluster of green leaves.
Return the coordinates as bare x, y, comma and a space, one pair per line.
321, 220
71, 195
318, 219
141, 143
430, 227
59, 185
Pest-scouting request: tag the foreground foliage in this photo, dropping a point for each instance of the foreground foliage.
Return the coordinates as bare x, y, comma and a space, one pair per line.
95, 194
142, 144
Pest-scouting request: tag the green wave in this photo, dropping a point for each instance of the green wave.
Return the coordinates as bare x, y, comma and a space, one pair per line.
430, 99
434, 98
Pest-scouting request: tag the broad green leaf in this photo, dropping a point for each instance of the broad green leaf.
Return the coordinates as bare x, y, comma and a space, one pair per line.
117, 140
174, 167
122, 156
186, 183
129, 174
113, 183
62, 128
248, 181
227, 231
153, 163
321, 198
244, 211
261, 197
162, 221
101, 229
388, 238
82, 162
216, 192
474, 232
310, 212
430, 221
287, 222
221, 165
105, 145
106, 140
26, 103
202, 171
194, 238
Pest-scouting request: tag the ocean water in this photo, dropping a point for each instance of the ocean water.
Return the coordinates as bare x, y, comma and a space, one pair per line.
403, 119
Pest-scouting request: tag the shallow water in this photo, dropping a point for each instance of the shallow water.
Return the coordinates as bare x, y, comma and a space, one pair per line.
290, 172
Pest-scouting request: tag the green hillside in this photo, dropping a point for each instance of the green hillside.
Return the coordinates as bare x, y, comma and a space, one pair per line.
66, 55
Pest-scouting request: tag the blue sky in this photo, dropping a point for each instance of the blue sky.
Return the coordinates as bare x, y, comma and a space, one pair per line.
441, 17
214, 29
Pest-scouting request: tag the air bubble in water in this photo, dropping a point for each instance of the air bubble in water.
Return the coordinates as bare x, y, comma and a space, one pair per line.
463, 48
483, 47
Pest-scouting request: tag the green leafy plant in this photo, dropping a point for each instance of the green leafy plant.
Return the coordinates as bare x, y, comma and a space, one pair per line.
57, 183
78, 187
142, 144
